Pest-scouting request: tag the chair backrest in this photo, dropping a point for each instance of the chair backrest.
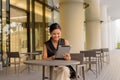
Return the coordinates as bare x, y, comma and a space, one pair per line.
40, 52
89, 53
105, 49
97, 50
77, 56
13, 54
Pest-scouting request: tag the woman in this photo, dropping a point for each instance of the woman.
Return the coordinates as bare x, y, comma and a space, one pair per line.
49, 49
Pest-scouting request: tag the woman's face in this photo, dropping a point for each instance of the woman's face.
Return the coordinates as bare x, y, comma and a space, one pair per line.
56, 34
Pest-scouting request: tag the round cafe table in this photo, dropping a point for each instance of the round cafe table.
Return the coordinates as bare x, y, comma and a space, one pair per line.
51, 64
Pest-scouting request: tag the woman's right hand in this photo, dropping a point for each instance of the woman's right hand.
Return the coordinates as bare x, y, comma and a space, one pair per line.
67, 56
52, 57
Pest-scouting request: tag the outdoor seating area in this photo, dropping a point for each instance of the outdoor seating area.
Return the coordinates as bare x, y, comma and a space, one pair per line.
85, 73
91, 60
59, 40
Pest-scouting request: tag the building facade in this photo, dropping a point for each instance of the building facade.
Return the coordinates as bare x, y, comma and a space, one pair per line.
24, 24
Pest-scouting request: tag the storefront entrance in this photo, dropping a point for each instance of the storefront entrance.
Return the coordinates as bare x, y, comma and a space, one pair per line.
24, 25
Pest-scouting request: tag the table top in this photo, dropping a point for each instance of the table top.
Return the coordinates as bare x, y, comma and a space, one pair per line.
52, 62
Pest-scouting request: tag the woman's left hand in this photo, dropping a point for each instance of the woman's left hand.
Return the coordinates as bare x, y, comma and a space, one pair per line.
67, 56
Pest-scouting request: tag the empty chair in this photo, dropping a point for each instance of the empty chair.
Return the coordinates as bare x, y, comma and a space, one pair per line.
13, 59
31, 56
79, 57
106, 56
90, 57
99, 57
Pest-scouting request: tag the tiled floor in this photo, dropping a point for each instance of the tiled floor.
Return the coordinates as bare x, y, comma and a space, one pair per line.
109, 72
112, 71
11, 75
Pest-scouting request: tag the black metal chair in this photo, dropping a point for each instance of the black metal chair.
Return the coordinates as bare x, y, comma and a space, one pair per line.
16, 60
79, 57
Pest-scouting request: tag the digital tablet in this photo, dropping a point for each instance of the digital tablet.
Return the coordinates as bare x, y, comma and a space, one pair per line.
62, 50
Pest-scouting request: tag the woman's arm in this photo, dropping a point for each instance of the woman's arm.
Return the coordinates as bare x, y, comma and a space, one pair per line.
44, 54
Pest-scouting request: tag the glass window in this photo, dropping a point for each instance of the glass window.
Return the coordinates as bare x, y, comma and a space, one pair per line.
56, 16
38, 26
19, 3
53, 3
49, 20
18, 31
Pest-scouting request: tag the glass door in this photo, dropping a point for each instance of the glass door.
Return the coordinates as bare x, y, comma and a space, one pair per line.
18, 30
0, 30
13, 27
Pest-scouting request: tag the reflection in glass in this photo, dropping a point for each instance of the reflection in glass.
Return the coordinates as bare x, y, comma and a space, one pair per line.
19, 3
38, 26
18, 30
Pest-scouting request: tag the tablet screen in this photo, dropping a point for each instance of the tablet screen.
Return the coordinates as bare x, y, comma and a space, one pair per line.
62, 50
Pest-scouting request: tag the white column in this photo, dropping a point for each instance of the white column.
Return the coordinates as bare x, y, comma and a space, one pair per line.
104, 27
72, 22
93, 25
110, 33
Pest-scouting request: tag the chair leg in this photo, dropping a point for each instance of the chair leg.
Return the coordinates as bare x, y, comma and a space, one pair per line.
83, 73
108, 58
7, 65
19, 67
96, 70
15, 64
